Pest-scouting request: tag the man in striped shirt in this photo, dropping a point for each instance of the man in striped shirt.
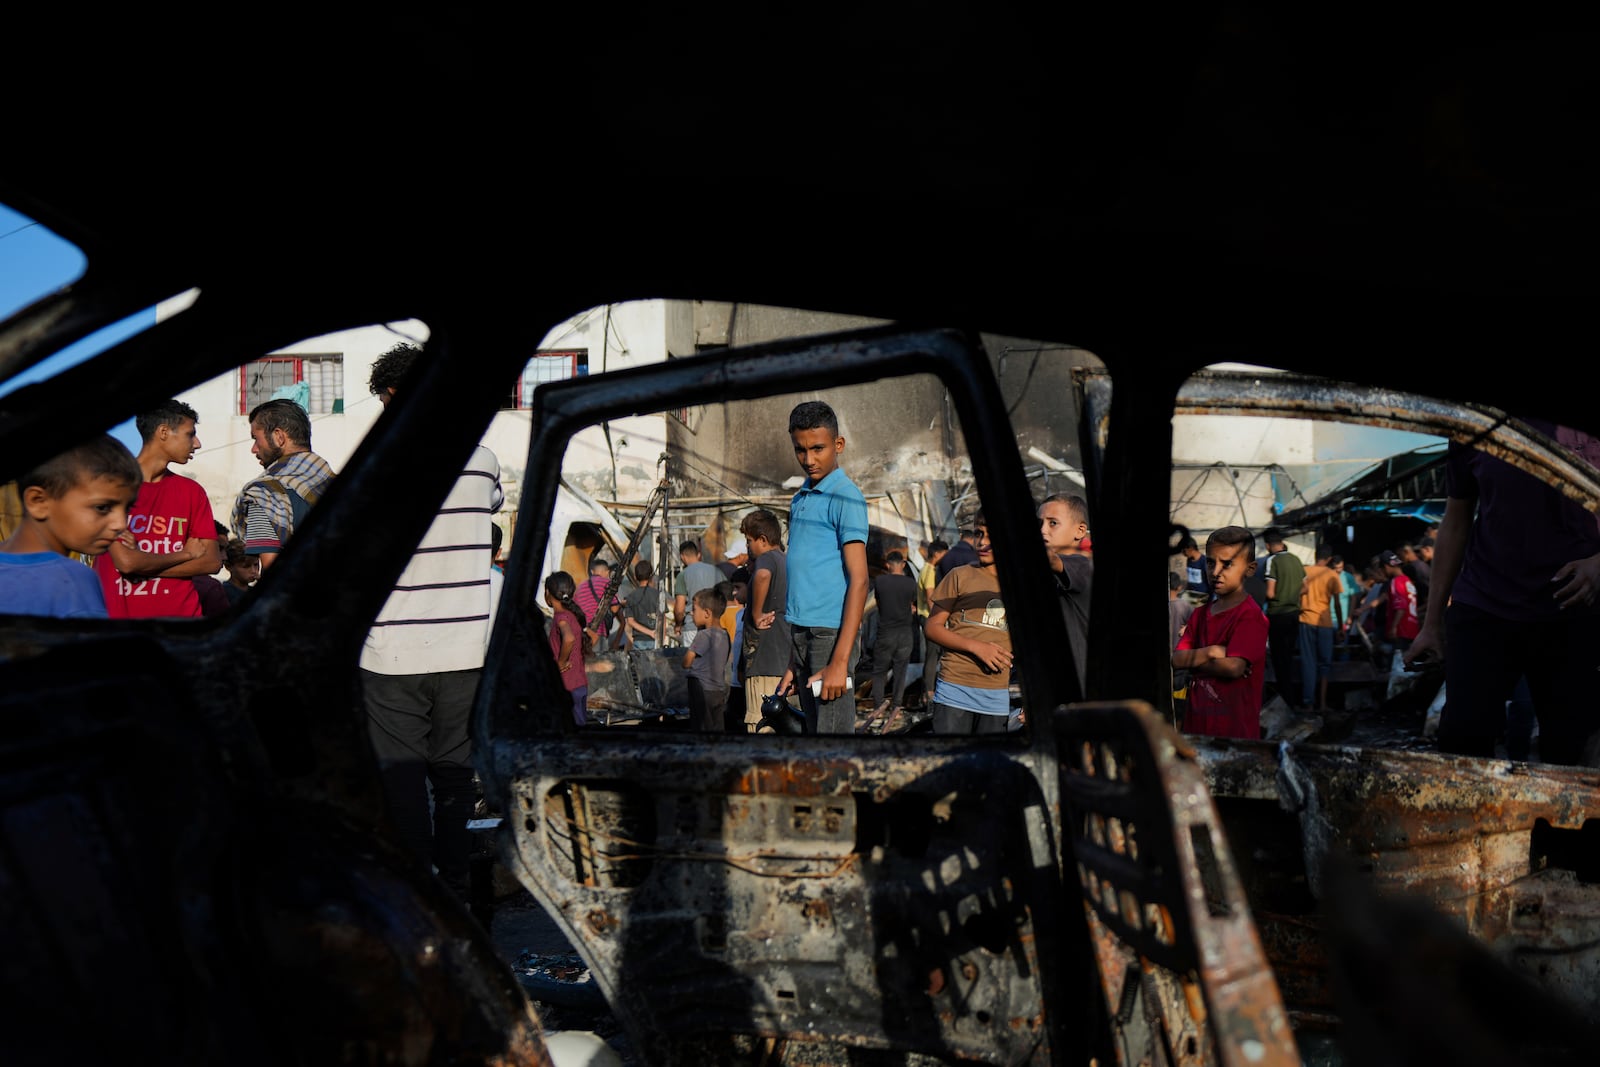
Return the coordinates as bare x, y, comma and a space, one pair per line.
423, 657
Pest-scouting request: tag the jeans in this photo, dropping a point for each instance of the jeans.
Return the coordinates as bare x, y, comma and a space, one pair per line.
418, 726
959, 721
1316, 646
890, 655
813, 648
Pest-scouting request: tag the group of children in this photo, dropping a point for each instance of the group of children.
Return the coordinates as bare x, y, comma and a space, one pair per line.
707, 661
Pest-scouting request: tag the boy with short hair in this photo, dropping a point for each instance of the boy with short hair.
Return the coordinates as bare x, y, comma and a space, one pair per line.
76, 502
243, 570
766, 646
1401, 624
973, 692
827, 570
706, 663
641, 611
1224, 645
171, 535
588, 598
1064, 525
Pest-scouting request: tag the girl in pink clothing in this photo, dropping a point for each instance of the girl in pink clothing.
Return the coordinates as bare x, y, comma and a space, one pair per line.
567, 640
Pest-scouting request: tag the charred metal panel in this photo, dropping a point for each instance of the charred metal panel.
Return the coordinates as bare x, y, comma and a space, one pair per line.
726, 891
1183, 972
1299, 396
160, 903
733, 894
1507, 851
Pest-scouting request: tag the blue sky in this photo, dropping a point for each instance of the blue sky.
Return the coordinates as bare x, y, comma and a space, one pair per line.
35, 262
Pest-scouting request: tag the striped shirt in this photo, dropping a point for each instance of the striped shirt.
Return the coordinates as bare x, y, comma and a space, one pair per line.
437, 618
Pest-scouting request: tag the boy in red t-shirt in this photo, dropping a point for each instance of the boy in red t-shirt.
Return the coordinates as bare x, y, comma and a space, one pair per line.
171, 536
1402, 625
1224, 646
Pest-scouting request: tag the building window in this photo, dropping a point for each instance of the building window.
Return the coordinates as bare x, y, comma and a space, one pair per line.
552, 366
319, 378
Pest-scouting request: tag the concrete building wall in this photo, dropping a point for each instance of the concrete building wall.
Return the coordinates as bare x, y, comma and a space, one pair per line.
897, 431
621, 463
900, 432
619, 460
225, 463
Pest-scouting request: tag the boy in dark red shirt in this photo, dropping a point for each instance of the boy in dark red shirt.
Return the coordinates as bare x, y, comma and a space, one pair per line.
1224, 646
1402, 625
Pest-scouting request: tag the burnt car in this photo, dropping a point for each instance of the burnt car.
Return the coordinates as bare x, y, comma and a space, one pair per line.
196, 859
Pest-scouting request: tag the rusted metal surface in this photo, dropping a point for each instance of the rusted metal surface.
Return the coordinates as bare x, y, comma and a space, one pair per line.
1182, 968
888, 900
1218, 392
1505, 850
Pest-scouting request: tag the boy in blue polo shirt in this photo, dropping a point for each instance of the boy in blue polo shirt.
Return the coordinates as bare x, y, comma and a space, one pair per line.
76, 502
827, 572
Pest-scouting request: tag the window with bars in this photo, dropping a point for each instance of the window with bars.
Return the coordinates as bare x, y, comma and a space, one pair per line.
320, 378
552, 366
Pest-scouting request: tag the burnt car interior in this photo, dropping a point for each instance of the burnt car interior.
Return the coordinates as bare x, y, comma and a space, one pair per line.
194, 857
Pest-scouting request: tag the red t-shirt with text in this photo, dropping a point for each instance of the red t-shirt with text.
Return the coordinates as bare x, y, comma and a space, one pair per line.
165, 515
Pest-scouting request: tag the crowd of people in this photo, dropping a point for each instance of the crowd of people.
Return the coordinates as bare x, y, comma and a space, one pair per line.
165, 548
784, 615
1507, 581
106, 533
791, 620
1307, 611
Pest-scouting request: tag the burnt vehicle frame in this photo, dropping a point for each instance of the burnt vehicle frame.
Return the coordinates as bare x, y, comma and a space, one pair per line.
831, 816
1500, 847
1383, 251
